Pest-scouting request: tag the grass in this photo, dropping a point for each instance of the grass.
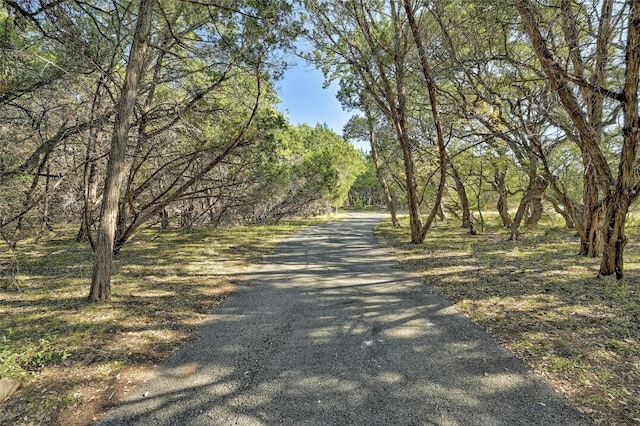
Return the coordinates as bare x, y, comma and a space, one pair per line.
542, 301
75, 358
536, 297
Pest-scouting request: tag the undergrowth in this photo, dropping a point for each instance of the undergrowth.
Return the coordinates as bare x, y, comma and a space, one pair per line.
73, 357
545, 303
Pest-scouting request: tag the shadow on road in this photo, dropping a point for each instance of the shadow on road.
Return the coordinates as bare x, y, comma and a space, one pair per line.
330, 330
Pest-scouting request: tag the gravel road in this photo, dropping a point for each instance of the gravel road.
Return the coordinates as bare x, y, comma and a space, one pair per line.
330, 330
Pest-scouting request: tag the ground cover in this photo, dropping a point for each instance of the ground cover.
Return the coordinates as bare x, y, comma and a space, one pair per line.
542, 301
74, 358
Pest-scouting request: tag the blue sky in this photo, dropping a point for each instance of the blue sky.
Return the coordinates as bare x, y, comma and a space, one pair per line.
303, 100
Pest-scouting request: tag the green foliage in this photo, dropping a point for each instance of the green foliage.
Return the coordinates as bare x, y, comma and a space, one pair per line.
168, 283
19, 359
366, 189
314, 167
208, 63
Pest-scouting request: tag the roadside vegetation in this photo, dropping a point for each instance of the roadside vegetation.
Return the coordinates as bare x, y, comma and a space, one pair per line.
544, 302
139, 127
74, 358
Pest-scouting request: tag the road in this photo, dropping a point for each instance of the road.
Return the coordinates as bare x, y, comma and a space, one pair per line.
330, 330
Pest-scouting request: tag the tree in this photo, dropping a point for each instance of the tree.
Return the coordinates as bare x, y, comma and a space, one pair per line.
101, 278
359, 128
203, 93
465, 207
571, 81
369, 46
431, 88
320, 167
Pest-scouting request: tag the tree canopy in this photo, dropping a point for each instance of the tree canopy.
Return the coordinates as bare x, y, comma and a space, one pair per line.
545, 92
120, 115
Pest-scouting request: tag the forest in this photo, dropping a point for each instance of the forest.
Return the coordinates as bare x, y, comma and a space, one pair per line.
120, 118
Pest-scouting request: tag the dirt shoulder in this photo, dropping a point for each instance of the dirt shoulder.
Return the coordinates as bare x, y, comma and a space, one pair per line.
545, 304
75, 359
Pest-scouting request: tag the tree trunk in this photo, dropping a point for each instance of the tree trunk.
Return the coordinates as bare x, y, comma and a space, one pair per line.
390, 93
412, 189
562, 211
536, 210
462, 195
620, 197
90, 198
536, 187
381, 179
441, 213
402, 129
502, 206
535, 190
46, 220
598, 173
101, 278
572, 212
612, 264
164, 219
431, 88
126, 208
591, 238
90, 190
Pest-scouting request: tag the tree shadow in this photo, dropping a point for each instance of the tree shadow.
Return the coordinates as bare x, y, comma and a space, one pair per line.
330, 331
545, 303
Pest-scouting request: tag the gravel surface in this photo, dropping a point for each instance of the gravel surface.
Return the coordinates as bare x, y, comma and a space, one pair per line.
330, 330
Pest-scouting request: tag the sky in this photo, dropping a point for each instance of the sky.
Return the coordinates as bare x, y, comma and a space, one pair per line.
303, 99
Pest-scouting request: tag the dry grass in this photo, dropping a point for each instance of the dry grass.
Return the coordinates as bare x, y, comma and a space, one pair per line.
543, 302
76, 358
536, 297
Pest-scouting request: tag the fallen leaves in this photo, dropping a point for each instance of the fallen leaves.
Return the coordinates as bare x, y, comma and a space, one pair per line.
73, 358
540, 300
